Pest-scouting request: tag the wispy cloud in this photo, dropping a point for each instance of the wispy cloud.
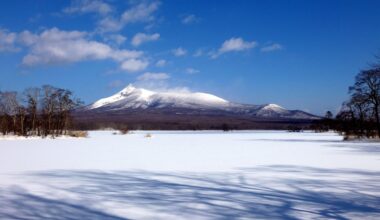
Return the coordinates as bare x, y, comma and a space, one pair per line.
234, 45
55, 46
153, 76
272, 47
141, 12
7, 41
178, 52
134, 65
161, 86
161, 63
35, 18
192, 71
109, 24
198, 53
88, 6
140, 38
115, 39
189, 19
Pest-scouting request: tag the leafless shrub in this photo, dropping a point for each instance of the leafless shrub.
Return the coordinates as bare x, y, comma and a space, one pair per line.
124, 130
78, 134
148, 135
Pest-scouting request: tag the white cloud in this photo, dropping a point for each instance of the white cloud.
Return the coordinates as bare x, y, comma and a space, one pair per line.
160, 86
134, 65
177, 89
192, 71
7, 41
116, 39
121, 55
272, 47
89, 6
189, 19
161, 63
27, 38
140, 38
234, 44
142, 12
54, 46
109, 24
179, 52
153, 76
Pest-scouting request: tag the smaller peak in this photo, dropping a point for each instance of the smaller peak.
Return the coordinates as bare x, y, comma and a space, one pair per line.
273, 106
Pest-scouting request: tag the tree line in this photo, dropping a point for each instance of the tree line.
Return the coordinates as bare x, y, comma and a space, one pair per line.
360, 114
37, 111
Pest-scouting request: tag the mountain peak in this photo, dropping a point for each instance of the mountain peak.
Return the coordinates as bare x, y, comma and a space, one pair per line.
128, 89
273, 106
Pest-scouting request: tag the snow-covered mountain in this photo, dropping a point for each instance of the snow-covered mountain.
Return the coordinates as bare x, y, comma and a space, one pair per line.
132, 99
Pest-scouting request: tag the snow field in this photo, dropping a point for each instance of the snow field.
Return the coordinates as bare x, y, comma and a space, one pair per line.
186, 174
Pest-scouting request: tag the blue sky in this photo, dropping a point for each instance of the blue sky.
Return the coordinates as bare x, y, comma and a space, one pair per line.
299, 54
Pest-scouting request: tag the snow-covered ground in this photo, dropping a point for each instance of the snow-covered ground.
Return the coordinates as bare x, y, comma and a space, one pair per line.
190, 175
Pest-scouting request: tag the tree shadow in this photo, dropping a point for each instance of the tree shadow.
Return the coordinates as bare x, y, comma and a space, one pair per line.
355, 146
295, 140
358, 147
19, 204
314, 193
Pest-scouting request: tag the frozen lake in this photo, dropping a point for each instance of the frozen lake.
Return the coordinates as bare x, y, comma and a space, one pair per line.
183, 175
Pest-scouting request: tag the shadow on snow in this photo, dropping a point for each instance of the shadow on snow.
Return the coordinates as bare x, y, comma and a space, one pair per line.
313, 193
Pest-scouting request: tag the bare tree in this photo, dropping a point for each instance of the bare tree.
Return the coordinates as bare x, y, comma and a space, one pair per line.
3, 118
49, 105
67, 103
360, 113
11, 106
32, 96
40, 111
329, 115
21, 114
367, 88
376, 64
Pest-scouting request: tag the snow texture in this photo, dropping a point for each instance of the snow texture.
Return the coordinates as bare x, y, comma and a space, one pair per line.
190, 175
